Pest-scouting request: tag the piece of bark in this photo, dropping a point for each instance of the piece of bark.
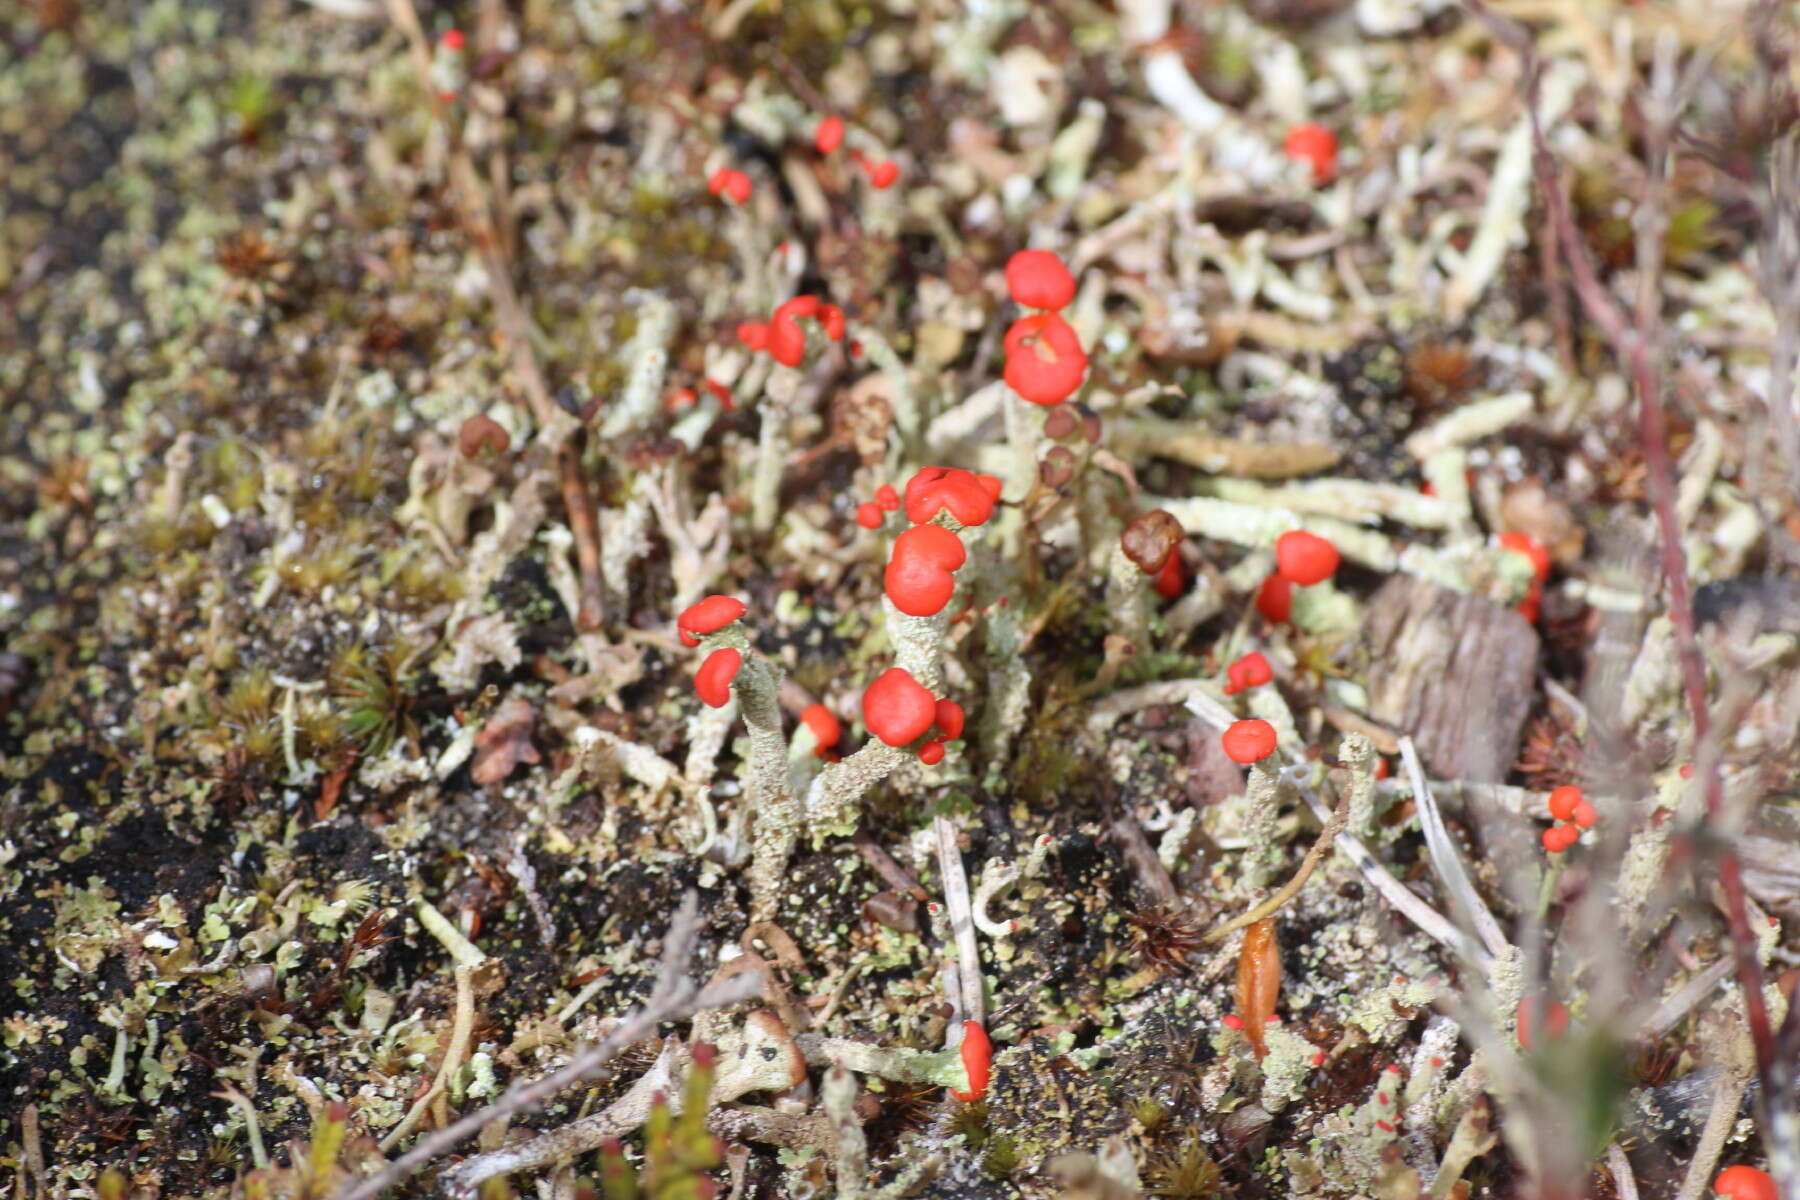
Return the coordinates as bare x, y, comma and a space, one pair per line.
1454, 671
1457, 673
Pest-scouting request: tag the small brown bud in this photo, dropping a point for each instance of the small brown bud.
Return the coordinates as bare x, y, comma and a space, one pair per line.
1057, 468
1149, 540
480, 430
1059, 423
1090, 427
896, 910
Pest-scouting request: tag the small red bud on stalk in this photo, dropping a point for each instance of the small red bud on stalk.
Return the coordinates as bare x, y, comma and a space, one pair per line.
733, 184
968, 498
721, 393
883, 174
977, 1059
826, 728
949, 719
707, 616
897, 708
1248, 741
712, 682
1554, 1024
1044, 359
1252, 670
1275, 599
1038, 279
1314, 145
1171, 581
920, 575
1745, 1183
1304, 558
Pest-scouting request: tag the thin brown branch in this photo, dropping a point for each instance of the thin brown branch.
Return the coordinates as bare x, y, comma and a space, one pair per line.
1340, 816
515, 327
1549, 249
1636, 349
673, 998
584, 524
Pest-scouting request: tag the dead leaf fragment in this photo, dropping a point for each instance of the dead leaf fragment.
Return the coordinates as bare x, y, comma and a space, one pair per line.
1258, 981
504, 742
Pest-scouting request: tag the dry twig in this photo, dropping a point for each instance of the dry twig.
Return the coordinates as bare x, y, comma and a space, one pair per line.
555, 425
675, 996
1638, 348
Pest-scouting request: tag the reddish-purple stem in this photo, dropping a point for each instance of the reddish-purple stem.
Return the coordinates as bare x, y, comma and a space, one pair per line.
1634, 348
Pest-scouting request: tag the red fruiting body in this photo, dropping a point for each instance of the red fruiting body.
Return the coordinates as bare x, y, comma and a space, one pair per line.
1381, 768
1532, 605
721, 393
710, 615
1524, 543
1275, 599
1248, 741
882, 174
1044, 358
826, 728
1745, 1183
897, 708
887, 497
1559, 838
1315, 145
1563, 800
734, 184
830, 135
753, 334
1038, 279
1584, 815
1553, 1026
1171, 581
949, 719
1249, 671
712, 682
787, 341
968, 497
680, 398
453, 39
868, 515
918, 578
1232, 1021
1304, 558
931, 753
977, 1060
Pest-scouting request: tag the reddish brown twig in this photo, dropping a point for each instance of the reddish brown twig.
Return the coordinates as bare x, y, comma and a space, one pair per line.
1637, 349
584, 524
509, 314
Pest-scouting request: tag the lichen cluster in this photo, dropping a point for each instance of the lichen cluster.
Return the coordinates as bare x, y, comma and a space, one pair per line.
373, 401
